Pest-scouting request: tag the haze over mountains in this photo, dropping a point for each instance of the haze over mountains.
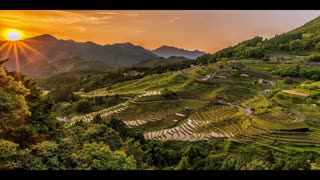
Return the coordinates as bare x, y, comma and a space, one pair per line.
168, 51
39, 56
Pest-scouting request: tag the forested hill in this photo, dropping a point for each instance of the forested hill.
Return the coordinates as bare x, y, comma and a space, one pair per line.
304, 40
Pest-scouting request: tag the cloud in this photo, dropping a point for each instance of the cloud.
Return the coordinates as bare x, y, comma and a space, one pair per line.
108, 13
54, 17
140, 31
80, 28
174, 19
133, 15
10, 18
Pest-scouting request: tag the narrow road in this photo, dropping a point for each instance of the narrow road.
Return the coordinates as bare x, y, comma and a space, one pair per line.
245, 110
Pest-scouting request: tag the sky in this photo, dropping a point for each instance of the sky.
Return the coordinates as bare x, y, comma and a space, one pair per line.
208, 31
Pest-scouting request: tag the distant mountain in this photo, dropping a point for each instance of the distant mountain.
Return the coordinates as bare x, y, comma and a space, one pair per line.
162, 61
36, 53
168, 51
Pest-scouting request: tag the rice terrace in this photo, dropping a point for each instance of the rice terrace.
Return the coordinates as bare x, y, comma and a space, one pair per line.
69, 105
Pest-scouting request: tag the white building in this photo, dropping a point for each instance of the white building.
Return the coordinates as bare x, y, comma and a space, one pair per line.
244, 75
263, 81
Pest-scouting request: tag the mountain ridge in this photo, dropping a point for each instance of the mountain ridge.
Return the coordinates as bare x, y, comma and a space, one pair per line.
168, 51
44, 49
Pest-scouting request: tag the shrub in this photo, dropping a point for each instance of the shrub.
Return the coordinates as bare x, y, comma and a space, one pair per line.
287, 80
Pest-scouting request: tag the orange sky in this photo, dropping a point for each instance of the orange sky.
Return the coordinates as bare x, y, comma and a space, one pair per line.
203, 30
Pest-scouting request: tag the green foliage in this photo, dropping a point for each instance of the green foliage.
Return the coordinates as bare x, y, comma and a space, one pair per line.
287, 80
62, 94
315, 57
8, 149
45, 156
256, 165
205, 59
13, 105
297, 163
97, 119
124, 131
136, 149
82, 106
183, 164
252, 48
98, 156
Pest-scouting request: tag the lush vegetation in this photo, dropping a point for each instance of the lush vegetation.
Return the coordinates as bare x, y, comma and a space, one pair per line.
259, 96
301, 41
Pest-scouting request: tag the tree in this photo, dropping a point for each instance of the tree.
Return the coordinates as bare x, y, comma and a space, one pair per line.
13, 105
270, 157
8, 152
45, 156
82, 106
98, 156
287, 80
97, 119
314, 57
132, 147
183, 164
256, 165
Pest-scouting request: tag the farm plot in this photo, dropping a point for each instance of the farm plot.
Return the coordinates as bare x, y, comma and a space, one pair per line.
218, 122
104, 113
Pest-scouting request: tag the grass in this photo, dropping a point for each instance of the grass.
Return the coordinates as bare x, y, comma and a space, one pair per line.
268, 125
258, 102
278, 114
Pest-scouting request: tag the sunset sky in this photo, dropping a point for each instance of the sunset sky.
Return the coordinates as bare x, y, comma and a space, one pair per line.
203, 30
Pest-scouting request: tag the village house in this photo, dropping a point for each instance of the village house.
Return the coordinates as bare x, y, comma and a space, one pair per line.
263, 81
273, 58
229, 69
215, 77
193, 66
132, 73
267, 91
244, 75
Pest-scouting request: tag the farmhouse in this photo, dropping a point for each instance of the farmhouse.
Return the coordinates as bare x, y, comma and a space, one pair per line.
267, 91
263, 81
244, 75
193, 66
215, 77
132, 73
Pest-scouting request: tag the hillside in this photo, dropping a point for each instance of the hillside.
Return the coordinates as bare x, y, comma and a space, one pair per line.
162, 61
168, 51
45, 49
78, 64
302, 41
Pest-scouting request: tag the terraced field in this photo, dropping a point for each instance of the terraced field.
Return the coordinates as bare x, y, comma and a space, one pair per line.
244, 113
278, 115
104, 113
202, 125
152, 114
258, 102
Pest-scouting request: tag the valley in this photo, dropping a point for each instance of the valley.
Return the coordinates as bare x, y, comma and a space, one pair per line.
235, 108
67, 105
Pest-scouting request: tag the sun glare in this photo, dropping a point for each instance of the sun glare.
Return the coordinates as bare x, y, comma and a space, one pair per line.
13, 35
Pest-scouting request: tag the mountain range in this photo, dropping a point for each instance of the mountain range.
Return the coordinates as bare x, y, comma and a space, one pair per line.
168, 51
46, 55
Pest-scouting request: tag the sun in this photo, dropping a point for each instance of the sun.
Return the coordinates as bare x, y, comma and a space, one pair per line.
12, 35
